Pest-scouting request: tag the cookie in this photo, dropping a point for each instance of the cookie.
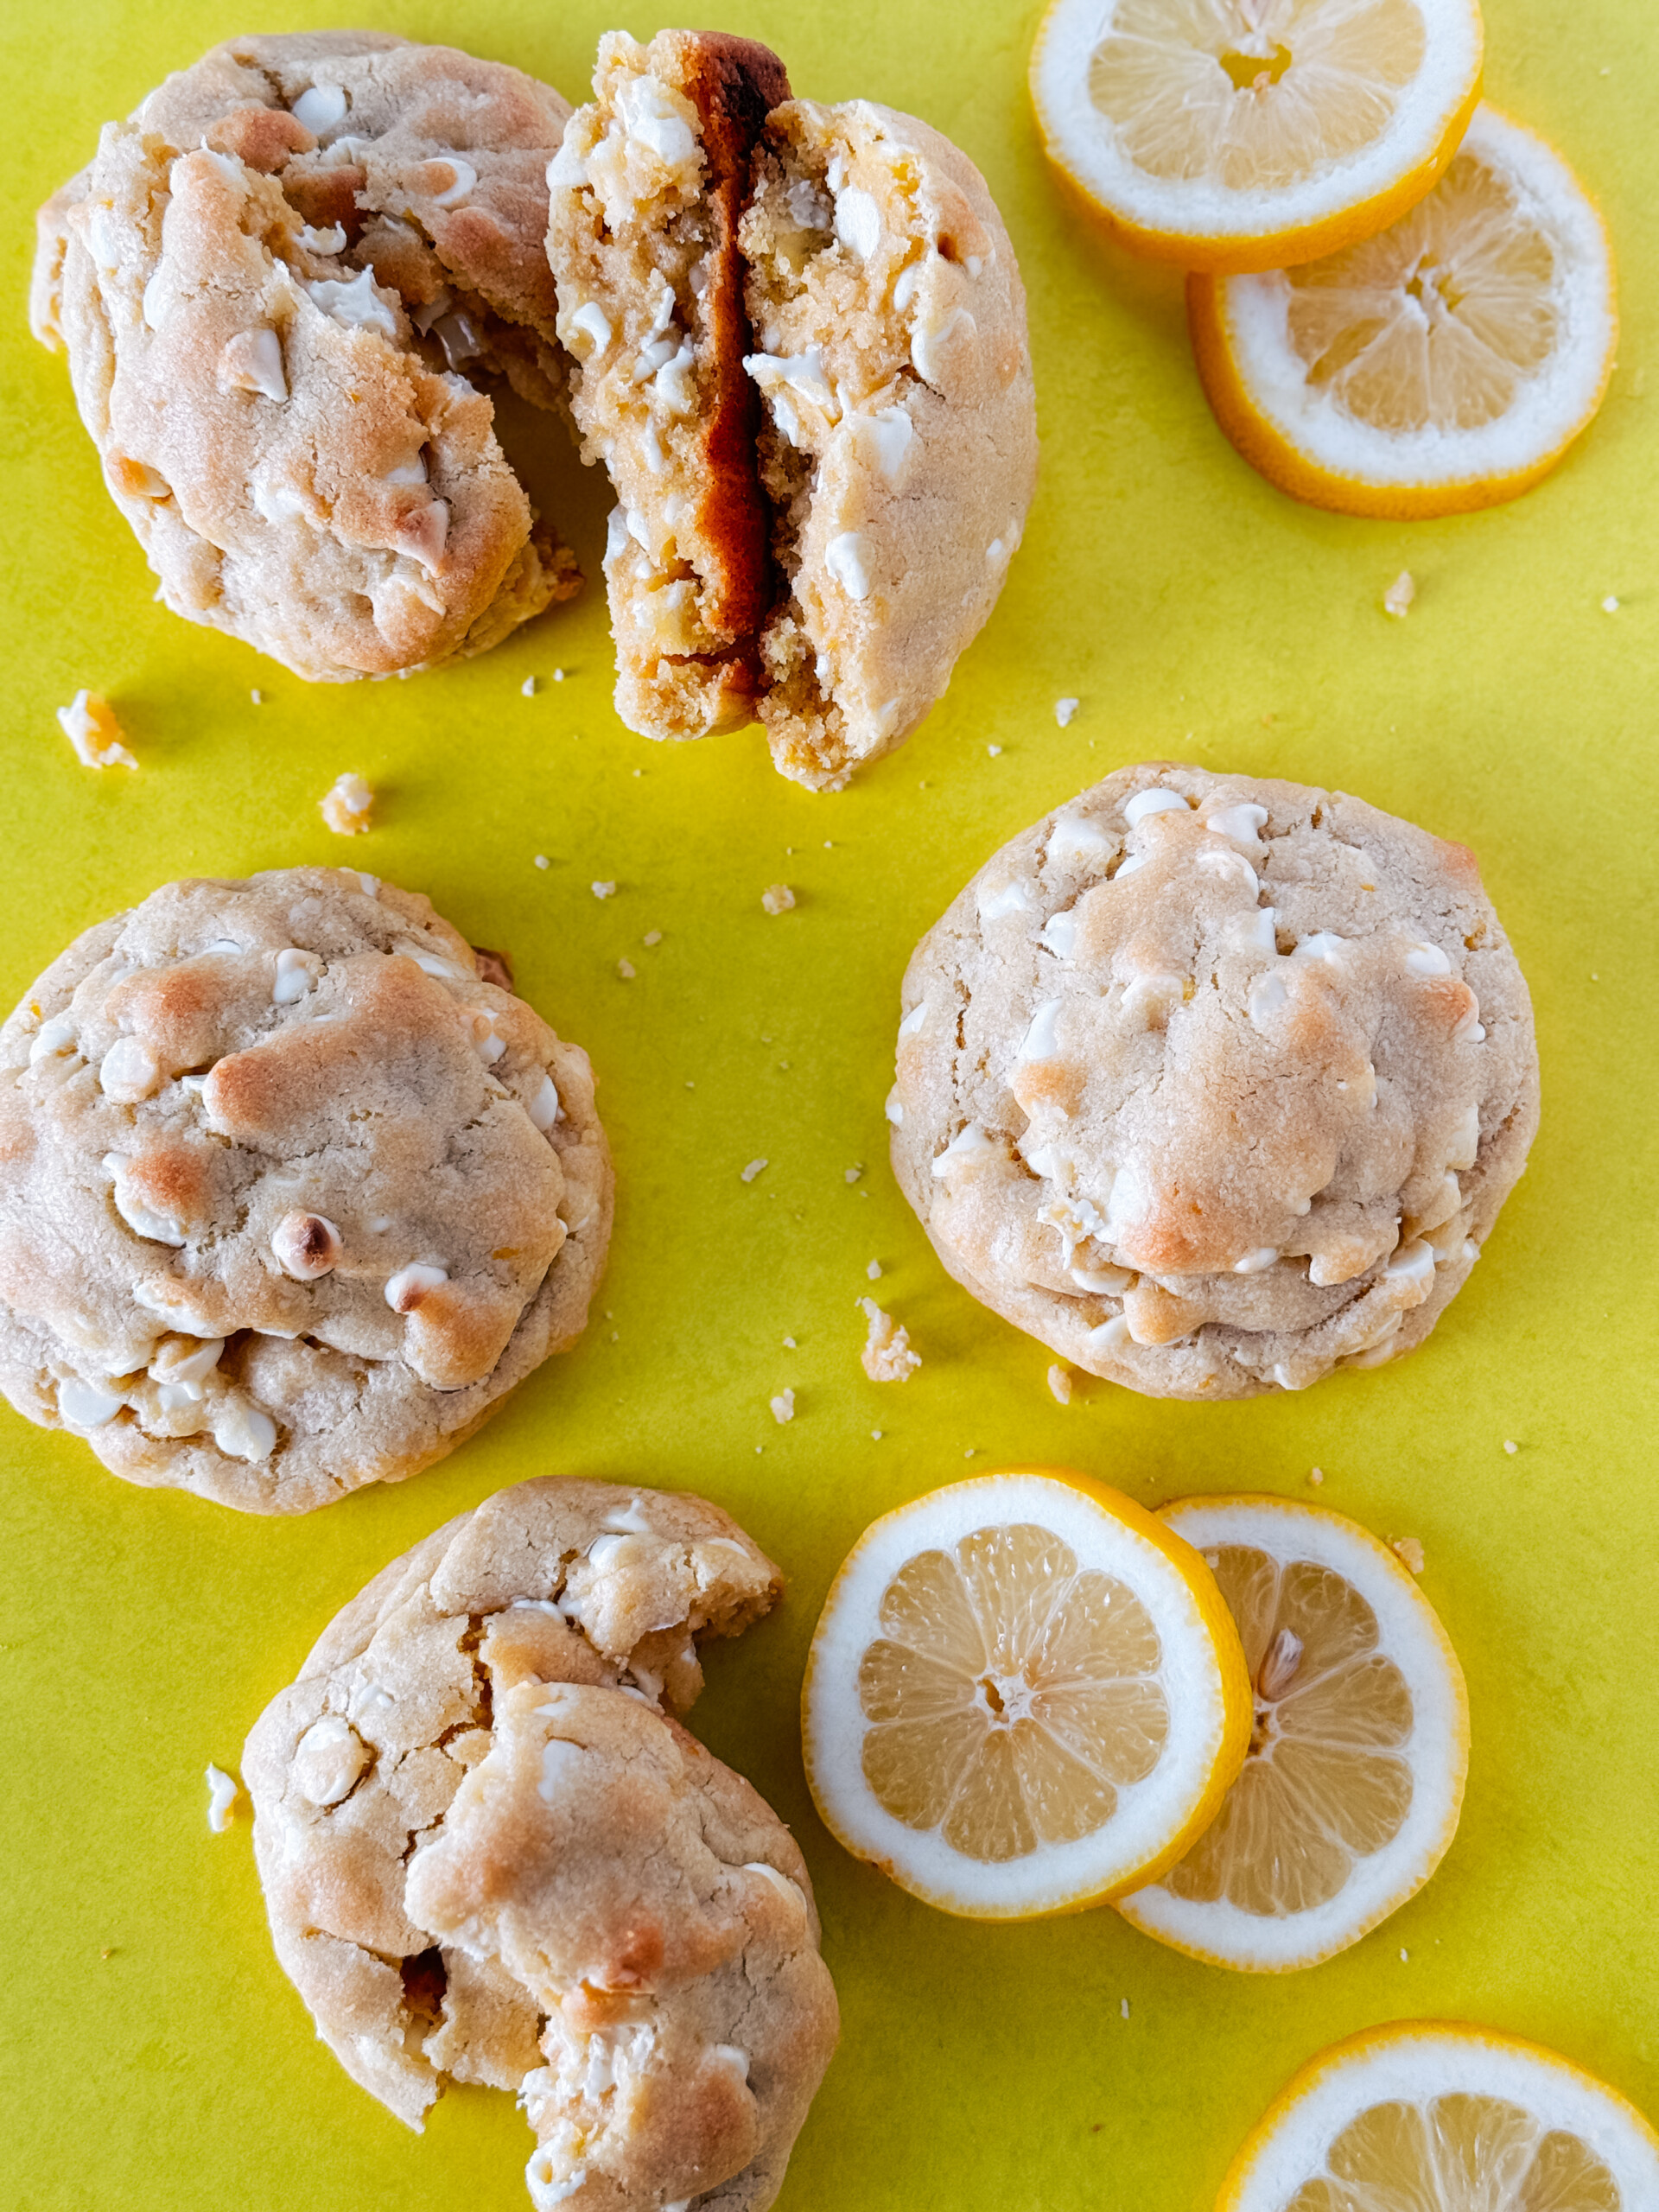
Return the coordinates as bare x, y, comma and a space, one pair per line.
822, 429
278, 285
490, 1854
1214, 1085
289, 1198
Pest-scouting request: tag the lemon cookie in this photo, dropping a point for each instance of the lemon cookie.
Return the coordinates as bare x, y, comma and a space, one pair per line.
1214, 1083
289, 1198
278, 285
821, 428
492, 1855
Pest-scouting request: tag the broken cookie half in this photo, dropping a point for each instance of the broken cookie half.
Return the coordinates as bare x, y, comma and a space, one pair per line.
801, 349
282, 285
490, 1854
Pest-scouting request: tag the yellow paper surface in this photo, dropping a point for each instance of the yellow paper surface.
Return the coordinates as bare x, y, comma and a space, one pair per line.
155, 2054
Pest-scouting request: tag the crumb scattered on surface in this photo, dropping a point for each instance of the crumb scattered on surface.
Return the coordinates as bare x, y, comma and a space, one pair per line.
876, 1435
1059, 1381
542, 861
789, 1344
1063, 710
886, 1355
1316, 1476
558, 675
1610, 605
625, 968
874, 1271
603, 890
652, 937
853, 1173
257, 698
995, 752
88, 722
1411, 1551
1511, 1447
749, 1173
346, 808
222, 1793
1125, 2008
527, 689
1396, 601
776, 898
783, 1406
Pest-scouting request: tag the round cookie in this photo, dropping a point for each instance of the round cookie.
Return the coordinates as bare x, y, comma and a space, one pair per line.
289, 1198
275, 285
490, 1854
1214, 1083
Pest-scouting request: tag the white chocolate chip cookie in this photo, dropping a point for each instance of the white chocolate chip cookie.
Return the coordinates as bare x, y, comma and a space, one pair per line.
801, 343
1215, 1085
289, 1198
275, 285
491, 1855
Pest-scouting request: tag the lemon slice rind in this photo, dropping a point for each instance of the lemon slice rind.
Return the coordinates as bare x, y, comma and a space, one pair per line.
1202, 1673
1409, 1633
1302, 439
1413, 2061
1201, 223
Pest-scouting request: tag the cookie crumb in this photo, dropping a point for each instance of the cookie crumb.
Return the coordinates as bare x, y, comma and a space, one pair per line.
1511, 1447
1063, 710
558, 675
347, 806
747, 1174
1124, 2008
603, 890
88, 722
874, 1271
1316, 1476
527, 689
886, 1355
776, 898
542, 861
876, 1435
1398, 599
995, 752
257, 698
1059, 1381
222, 1793
1408, 1548
652, 937
1610, 605
625, 968
853, 1173
789, 1344
783, 1406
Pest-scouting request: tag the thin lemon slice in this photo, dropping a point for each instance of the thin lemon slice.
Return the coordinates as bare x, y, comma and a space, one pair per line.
1250, 134
1349, 1793
1024, 1695
1444, 365
1437, 2115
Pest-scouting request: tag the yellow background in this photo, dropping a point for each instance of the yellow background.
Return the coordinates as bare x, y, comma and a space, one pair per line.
1196, 614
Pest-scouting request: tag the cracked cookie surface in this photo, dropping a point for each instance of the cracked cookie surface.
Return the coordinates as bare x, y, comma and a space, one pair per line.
289, 1198
1216, 1083
491, 1854
275, 284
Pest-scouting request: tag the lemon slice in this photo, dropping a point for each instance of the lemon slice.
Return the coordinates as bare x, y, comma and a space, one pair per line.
1444, 366
1024, 1695
1349, 1793
1250, 134
1428, 2114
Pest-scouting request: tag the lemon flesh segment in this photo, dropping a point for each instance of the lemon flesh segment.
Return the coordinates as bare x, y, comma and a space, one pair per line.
1449, 2119
1022, 1691
1237, 134
1446, 363
1349, 1793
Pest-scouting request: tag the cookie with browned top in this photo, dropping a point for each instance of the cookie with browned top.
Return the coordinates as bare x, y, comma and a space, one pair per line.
1215, 1084
279, 285
289, 1198
491, 1854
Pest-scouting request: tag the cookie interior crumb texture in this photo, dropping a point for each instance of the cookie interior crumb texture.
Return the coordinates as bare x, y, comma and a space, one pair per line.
490, 1854
290, 1197
278, 285
1215, 1085
803, 356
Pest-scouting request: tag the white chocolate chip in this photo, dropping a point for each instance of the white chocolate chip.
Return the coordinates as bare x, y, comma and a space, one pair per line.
651, 118
488, 1046
1252, 931
848, 558
888, 437
1231, 867
1426, 960
1154, 801
306, 1245
82, 1404
592, 323
930, 341
893, 1110
465, 176
321, 107
915, 1021
51, 1039
296, 974
544, 1107
328, 1759
409, 1285
359, 304
252, 361
1411, 1267
1463, 1145
858, 223
1015, 897
1266, 996
1110, 1336
1039, 1041
222, 1793
1323, 945
802, 372
969, 1147
243, 1431
1238, 821
128, 1072
184, 1359
1059, 934
1076, 840
1253, 1262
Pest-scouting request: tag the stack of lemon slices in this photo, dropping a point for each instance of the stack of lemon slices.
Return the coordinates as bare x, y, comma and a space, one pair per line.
1402, 302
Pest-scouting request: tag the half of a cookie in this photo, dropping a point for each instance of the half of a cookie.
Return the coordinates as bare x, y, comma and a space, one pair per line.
491, 1854
1216, 1083
282, 287
821, 427
290, 1197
